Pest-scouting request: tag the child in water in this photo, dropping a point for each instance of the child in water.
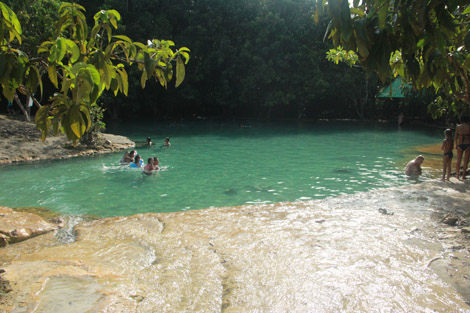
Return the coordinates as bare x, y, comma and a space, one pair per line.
447, 147
149, 168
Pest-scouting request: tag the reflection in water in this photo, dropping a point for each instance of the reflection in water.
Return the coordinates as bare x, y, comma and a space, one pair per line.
367, 252
76, 295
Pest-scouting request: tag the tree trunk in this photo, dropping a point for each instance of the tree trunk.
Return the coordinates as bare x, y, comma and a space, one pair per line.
26, 114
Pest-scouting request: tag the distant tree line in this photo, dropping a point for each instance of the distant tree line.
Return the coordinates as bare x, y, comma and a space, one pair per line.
249, 59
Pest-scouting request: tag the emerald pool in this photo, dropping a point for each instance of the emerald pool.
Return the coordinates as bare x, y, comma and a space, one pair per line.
214, 164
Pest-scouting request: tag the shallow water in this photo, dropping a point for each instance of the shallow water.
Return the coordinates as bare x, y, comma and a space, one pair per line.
213, 165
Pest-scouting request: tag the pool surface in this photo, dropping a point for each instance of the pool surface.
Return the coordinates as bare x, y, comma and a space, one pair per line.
221, 164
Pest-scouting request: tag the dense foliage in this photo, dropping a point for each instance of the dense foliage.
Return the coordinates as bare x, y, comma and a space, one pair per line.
255, 59
81, 64
425, 42
249, 59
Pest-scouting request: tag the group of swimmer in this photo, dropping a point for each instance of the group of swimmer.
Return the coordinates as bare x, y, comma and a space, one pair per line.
135, 160
462, 144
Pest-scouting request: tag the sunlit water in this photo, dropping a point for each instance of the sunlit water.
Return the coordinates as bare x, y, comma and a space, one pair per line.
213, 165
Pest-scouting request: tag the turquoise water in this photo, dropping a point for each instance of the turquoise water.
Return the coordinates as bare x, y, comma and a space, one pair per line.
220, 164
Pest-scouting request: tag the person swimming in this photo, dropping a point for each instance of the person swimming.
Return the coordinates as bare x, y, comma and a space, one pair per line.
138, 163
167, 143
128, 157
150, 167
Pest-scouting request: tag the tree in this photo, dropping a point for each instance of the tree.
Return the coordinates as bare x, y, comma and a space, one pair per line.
425, 42
81, 64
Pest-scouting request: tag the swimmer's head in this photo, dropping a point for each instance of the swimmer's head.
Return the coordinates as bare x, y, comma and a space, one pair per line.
448, 133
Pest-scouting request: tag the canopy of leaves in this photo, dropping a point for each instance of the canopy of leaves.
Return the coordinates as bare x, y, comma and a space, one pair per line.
425, 42
81, 63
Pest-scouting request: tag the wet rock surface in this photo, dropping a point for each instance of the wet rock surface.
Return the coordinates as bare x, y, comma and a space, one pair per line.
21, 142
338, 254
19, 226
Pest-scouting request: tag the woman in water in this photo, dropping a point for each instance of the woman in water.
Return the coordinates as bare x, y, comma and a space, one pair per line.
150, 167
128, 157
138, 163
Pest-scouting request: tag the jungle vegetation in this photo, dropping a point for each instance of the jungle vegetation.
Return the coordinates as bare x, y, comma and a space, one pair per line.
263, 59
427, 43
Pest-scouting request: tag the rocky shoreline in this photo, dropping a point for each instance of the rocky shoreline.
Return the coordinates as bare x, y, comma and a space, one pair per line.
21, 142
215, 259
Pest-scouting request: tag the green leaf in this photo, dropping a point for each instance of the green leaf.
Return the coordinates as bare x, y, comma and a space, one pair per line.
52, 72
140, 45
362, 41
123, 37
383, 12
180, 71
114, 86
14, 27
43, 123
58, 50
149, 64
85, 111
161, 78
73, 48
124, 80
346, 24
143, 79
107, 69
77, 124
114, 17
38, 75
